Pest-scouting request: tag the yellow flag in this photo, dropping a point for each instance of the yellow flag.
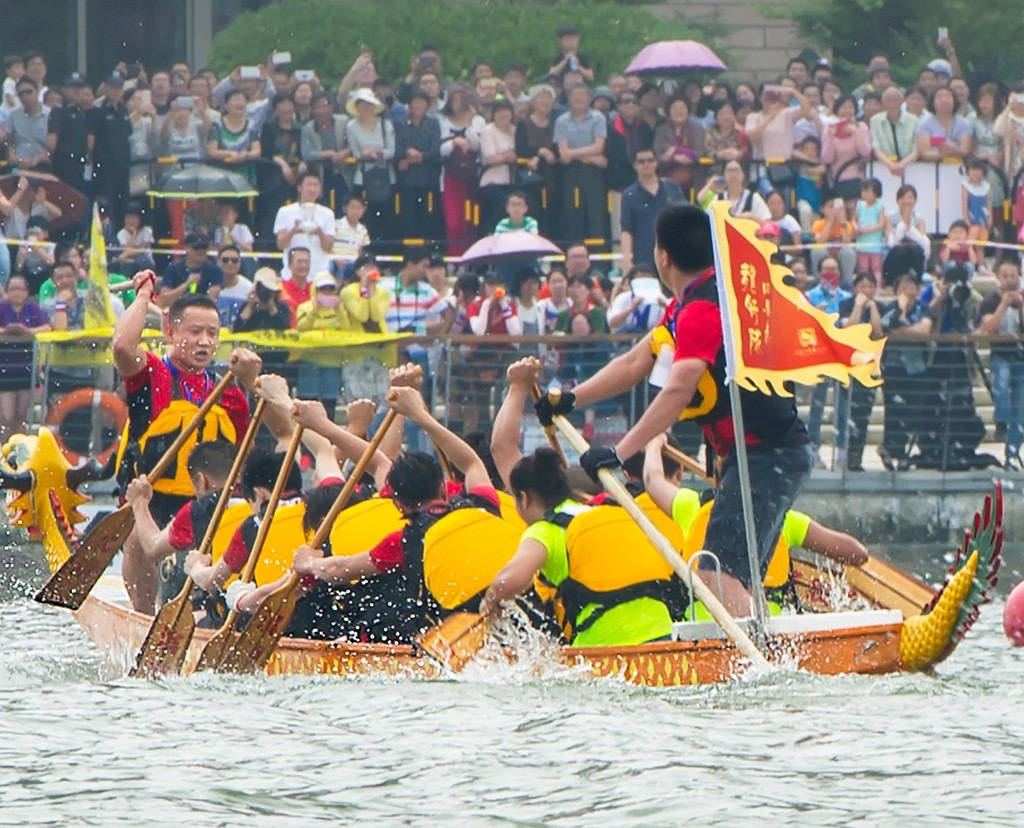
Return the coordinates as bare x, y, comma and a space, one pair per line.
98, 311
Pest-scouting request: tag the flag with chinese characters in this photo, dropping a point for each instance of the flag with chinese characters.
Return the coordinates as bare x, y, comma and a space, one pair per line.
98, 311
773, 335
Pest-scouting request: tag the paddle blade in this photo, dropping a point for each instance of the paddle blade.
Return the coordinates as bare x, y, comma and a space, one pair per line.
256, 644
216, 648
455, 641
71, 583
163, 651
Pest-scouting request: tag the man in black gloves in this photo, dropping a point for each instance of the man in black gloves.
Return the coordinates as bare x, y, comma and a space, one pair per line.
778, 453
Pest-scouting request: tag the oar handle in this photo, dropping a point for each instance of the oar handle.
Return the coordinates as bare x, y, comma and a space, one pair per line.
324, 531
549, 430
161, 465
236, 469
275, 498
671, 555
687, 462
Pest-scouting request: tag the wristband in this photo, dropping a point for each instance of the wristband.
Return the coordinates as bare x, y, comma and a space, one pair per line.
235, 591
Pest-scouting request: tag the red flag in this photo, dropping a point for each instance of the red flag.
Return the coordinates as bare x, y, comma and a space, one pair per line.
772, 333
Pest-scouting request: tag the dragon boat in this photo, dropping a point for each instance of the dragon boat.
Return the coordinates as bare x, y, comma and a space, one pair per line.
872, 619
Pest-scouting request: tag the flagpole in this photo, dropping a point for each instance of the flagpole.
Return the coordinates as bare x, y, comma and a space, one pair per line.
756, 582
739, 434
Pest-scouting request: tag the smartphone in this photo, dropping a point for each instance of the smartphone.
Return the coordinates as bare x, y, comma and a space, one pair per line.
185, 101
277, 58
147, 97
720, 181
943, 33
304, 75
248, 72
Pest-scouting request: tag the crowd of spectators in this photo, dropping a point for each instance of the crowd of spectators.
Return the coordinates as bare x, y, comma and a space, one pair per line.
347, 173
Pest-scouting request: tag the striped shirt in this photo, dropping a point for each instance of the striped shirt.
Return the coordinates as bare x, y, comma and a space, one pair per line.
409, 305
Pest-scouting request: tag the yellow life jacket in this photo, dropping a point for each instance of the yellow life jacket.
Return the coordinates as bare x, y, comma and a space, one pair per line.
159, 435
232, 518
612, 562
285, 536
463, 552
778, 569
508, 511
361, 527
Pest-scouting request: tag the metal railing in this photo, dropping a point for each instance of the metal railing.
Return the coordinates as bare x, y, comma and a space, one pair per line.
948, 400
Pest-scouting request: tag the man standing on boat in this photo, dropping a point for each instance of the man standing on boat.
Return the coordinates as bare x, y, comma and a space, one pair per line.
163, 396
777, 444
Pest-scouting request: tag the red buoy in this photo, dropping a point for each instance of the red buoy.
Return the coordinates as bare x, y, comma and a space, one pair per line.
1013, 616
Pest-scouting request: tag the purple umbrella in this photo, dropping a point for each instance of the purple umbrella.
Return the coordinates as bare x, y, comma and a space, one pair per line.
673, 56
503, 247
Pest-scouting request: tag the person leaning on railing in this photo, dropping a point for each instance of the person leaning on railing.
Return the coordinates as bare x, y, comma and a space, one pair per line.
1001, 314
20, 320
905, 369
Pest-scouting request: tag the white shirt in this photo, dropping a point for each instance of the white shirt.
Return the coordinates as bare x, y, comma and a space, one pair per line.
10, 91
349, 241
240, 234
319, 216
240, 290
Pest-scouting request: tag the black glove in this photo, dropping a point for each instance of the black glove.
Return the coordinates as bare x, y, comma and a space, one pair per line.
595, 459
546, 409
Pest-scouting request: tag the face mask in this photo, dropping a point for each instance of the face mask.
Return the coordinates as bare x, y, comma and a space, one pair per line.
263, 293
327, 300
830, 278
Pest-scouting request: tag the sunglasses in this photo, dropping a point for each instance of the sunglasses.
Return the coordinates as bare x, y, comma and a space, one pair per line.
230, 259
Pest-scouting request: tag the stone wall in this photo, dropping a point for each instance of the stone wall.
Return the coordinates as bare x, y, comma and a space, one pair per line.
759, 45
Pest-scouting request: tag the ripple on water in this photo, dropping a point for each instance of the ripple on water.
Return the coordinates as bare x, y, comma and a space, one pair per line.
84, 743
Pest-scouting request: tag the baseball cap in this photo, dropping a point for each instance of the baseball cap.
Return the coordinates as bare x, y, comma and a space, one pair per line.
75, 79
324, 279
436, 260
941, 66
196, 241
267, 277
115, 79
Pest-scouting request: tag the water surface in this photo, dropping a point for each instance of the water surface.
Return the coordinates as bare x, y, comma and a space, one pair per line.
86, 746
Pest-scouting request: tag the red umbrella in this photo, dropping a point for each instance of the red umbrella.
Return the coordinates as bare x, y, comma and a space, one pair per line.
71, 202
504, 247
668, 57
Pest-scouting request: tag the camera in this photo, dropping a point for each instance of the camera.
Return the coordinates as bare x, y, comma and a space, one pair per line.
263, 293
956, 277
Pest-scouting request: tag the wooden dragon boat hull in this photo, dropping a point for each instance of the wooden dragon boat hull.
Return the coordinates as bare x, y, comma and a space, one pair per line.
902, 623
842, 643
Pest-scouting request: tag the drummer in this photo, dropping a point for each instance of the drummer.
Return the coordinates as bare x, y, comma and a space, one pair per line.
163, 397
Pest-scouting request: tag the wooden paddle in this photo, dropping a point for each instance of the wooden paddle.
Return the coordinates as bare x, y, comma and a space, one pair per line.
455, 641
700, 590
549, 430
70, 585
256, 644
163, 651
215, 649
687, 462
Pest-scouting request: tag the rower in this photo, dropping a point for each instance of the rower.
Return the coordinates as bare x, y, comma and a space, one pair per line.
395, 604
208, 466
691, 512
286, 532
779, 460
163, 395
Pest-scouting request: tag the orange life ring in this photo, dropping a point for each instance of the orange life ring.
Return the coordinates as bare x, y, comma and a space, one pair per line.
88, 398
